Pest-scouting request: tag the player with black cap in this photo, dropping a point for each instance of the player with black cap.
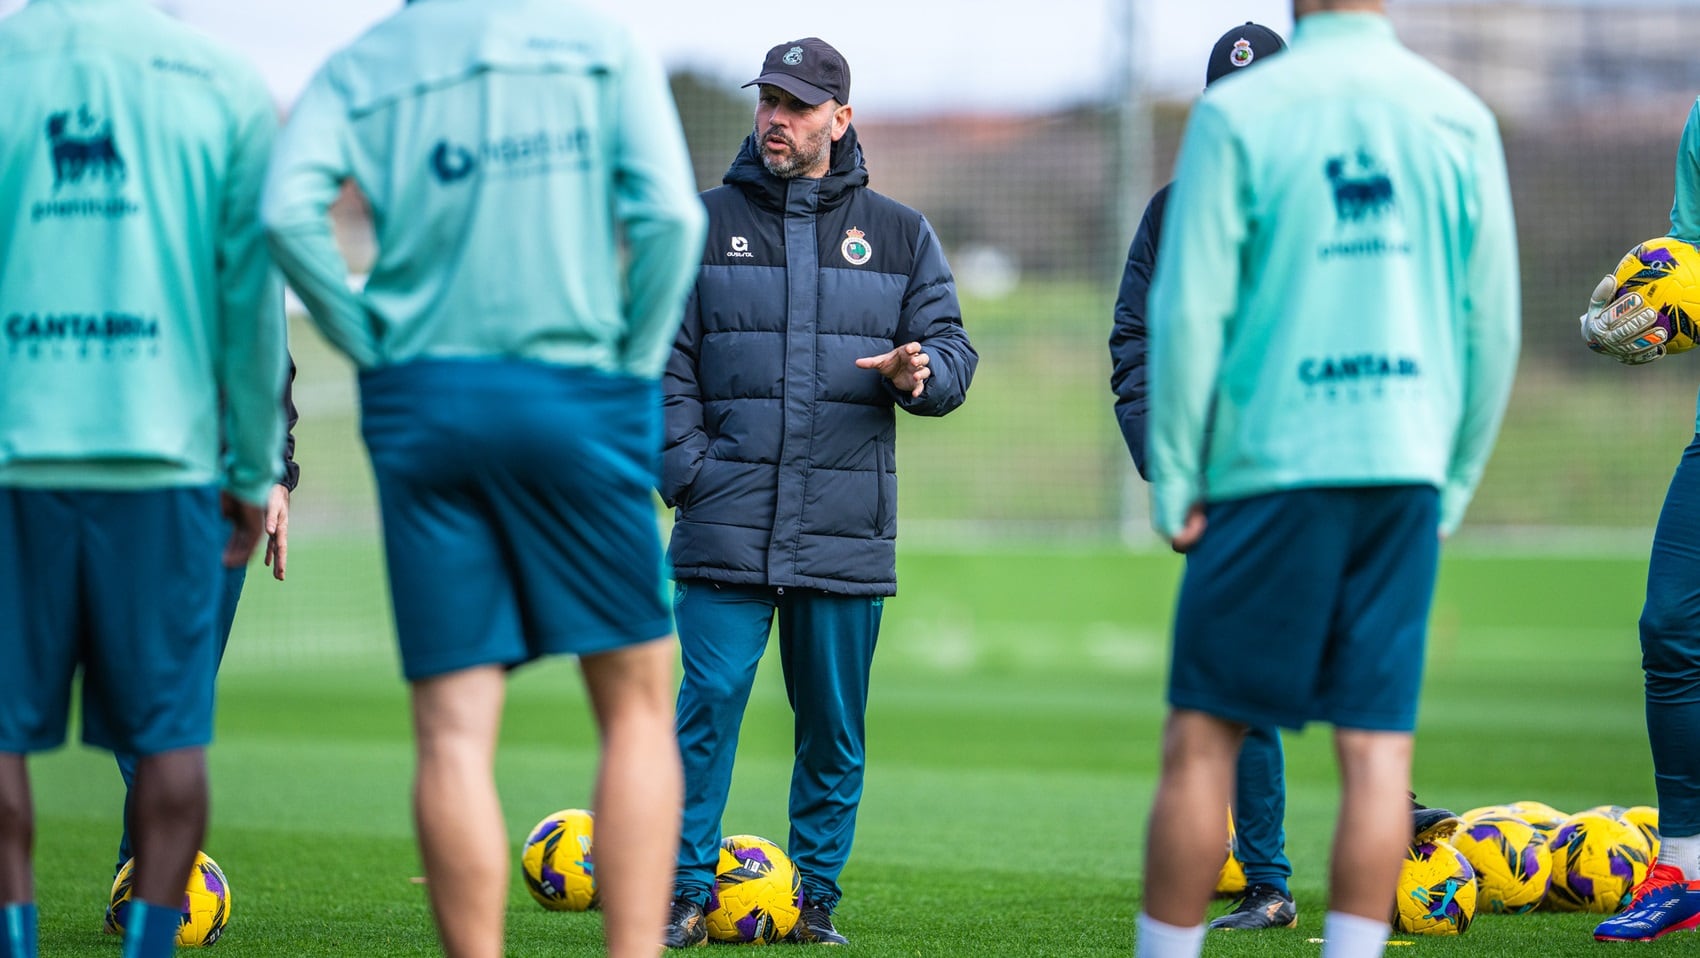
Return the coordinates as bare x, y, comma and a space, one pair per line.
1240, 48
820, 308
1260, 799
1261, 794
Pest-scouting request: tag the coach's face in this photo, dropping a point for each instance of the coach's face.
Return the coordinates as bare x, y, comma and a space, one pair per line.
796, 138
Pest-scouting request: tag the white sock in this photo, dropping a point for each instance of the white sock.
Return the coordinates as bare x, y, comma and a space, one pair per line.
1155, 939
1353, 936
1683, 852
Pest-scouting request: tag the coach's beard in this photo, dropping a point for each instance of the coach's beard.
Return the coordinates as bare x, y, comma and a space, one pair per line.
797, 159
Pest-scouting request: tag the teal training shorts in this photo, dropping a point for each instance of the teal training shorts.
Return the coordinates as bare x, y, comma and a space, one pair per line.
124, 586
1309, 605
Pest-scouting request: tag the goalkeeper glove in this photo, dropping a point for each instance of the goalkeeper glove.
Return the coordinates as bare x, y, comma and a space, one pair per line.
1625, 328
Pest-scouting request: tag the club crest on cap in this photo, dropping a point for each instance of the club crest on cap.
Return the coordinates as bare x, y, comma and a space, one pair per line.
793, 56
855, 247
1242, 54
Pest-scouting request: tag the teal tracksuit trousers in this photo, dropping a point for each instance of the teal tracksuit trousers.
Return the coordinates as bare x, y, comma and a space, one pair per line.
826, 647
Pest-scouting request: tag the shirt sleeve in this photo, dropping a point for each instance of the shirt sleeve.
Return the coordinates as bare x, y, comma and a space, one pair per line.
656, 205
932, 317
308, 168
1491, 330
1685, 208
1128, 341
1193, 297
253, 354
291, 469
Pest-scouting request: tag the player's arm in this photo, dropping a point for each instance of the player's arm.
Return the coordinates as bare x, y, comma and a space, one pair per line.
684, 440
1491, 330
929, 371
1685, 207
1128, 342
309, 165
252, 358
1194, 294
1624, 327
656, 205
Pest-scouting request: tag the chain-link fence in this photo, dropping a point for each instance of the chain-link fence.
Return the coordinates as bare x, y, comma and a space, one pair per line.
1036, 210
1032, 208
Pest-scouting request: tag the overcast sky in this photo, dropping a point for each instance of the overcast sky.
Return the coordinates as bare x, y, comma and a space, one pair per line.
906, 56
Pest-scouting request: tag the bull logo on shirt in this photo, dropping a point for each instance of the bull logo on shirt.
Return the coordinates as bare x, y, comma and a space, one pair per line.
82, 146
1361, 193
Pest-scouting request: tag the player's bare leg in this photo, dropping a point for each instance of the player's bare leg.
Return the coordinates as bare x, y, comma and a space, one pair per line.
17, 830
462, 838
1374, 828
168, 820
1184, 846
639, 791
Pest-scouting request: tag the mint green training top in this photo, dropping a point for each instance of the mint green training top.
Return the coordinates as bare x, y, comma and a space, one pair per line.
1685, 208
500, 143
1337, 284
135, 289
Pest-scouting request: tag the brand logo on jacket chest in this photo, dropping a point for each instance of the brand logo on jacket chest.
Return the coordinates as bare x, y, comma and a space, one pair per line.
739, 248
856, 249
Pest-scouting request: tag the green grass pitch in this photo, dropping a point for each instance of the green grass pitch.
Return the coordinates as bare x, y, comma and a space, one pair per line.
1013, 742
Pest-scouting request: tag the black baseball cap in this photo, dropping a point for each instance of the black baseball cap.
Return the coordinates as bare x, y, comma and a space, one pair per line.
808, 69
1241, 47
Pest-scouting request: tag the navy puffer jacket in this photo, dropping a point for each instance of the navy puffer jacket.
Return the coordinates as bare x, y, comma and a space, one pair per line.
781, 453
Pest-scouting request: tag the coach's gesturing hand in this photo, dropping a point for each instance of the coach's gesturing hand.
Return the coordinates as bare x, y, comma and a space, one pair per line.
905, 366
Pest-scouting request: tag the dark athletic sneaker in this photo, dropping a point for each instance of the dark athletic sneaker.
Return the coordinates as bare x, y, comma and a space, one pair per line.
685, 928
1429, 825
814, 927
1262, 906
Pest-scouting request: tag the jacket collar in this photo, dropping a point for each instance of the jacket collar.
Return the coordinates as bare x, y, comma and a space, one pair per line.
845, 174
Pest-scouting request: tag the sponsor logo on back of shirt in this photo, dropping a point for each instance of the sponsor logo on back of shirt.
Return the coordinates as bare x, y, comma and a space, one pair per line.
1322, 370
82, 147
85, 159
1366, 208
1360, 194
106, 335
1359, 376
525, 154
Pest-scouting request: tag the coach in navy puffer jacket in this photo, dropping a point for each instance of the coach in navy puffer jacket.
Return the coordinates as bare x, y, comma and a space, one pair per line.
820, 308
781, 453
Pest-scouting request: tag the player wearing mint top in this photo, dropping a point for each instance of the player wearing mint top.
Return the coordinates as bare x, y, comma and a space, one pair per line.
143, 325
1336, 307
504, 243
537, 228
1669, 899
